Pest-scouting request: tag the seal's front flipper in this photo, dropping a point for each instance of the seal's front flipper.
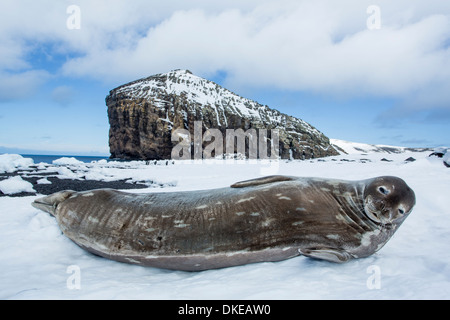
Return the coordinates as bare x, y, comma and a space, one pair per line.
332, 255
260, 181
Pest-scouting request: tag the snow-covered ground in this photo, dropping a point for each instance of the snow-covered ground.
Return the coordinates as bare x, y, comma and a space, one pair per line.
38, 262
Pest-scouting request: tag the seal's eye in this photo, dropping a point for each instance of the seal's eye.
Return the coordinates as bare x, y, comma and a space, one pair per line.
401, 211
383, 190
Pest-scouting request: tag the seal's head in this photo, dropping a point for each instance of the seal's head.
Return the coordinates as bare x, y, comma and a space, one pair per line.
388, 200
51, 202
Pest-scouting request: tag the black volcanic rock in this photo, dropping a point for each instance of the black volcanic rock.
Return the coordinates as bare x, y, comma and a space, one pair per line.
144, 113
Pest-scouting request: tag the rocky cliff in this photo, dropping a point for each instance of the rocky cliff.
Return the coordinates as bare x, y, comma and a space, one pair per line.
144, 113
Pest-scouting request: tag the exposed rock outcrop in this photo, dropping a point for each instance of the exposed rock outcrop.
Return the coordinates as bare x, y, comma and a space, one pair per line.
144, 113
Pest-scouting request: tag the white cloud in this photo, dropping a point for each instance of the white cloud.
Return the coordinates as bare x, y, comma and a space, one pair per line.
303, 46
11, 55
321, 46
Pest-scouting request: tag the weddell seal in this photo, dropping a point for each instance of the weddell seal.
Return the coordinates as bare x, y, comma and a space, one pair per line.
265, 219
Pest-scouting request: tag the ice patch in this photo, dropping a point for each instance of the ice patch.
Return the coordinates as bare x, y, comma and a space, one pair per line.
65, 173
43, 181
15, 185
12, 162
64, 161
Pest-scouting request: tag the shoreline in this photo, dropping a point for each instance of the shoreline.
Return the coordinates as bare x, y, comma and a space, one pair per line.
57, 184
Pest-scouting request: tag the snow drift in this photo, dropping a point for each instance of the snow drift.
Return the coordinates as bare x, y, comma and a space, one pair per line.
38, 262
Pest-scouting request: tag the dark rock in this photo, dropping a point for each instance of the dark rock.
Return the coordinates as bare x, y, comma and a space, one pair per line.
437, 154
144, 113
446, 160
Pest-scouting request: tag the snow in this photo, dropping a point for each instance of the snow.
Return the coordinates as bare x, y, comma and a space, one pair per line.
446, 158
360, 148
14, 185
39, 262
67, 161
203, 92
66, 173
12, 162
43, 181
442, 150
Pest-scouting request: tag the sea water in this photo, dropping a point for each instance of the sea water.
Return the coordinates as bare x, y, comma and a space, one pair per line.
50, 158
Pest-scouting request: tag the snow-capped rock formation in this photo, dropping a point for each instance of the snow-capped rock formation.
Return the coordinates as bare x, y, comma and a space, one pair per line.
144, 113
347, 147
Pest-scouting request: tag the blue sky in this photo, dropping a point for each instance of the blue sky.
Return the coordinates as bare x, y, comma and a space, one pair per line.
317, 60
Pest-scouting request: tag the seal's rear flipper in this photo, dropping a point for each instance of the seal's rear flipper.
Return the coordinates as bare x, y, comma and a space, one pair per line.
332, 255
49, 203
260, 181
